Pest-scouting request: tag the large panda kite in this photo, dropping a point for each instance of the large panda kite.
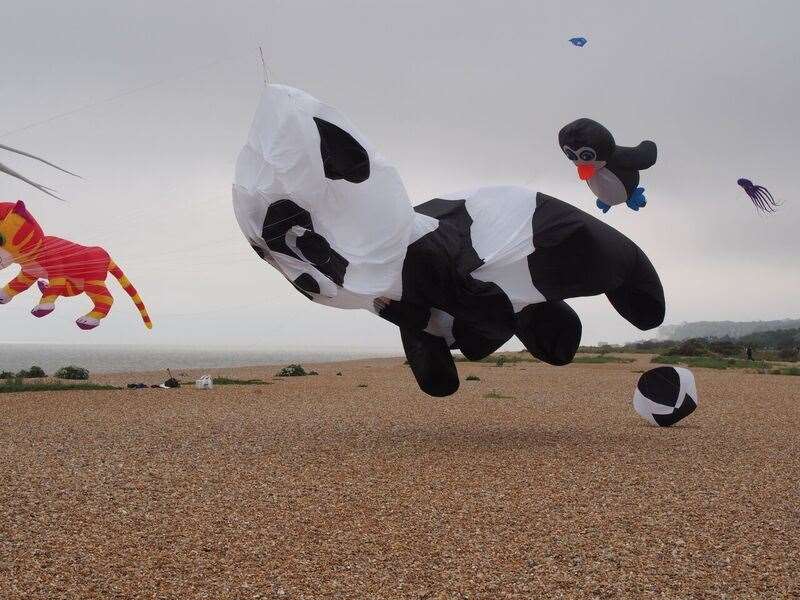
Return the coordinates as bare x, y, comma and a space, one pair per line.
465, 271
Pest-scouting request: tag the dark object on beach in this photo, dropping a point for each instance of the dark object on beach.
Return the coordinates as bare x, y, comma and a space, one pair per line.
339, 374
472, 378
759, 195
171, 382
137, 386
72, 372
293, 371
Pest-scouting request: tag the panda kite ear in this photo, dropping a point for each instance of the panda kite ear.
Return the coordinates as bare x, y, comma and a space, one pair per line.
342, 156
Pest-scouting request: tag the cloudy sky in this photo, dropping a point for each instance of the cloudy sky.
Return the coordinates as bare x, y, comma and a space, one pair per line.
151, 102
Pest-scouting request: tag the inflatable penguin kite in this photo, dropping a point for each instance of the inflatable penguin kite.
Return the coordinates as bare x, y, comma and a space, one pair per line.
611, 171
464, 271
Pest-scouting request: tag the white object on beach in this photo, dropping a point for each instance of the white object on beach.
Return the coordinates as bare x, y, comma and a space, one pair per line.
204, 383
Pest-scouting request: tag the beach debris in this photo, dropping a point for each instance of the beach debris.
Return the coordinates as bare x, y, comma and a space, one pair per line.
611, 171
665, 395
137, 386
472, 378
62, 268
580, 42
204, 383
348, 233
760, 196
171, 382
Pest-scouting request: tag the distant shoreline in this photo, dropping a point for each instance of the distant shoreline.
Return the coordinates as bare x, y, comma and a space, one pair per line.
112, 358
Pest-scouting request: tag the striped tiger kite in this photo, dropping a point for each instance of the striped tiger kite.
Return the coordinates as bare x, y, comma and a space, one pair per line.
61, 268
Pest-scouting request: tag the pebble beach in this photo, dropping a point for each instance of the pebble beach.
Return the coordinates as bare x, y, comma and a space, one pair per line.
531, 482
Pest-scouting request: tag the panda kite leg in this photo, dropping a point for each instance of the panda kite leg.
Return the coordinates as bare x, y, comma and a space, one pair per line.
578, 255
431, 362
550, 331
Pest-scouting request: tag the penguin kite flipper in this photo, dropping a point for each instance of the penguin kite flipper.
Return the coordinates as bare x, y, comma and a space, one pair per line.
639, 158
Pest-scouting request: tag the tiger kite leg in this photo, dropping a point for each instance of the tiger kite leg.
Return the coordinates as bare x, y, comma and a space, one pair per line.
102, 299
50, 292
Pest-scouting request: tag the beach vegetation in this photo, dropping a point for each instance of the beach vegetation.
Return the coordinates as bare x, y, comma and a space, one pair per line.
495, 395
232, 381
72, 372
33, 373
17, 384
294, 371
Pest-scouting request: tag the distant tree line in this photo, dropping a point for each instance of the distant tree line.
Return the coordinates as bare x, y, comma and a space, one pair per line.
781, 344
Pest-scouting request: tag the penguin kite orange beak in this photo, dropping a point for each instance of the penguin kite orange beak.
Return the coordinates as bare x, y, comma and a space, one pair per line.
586, 171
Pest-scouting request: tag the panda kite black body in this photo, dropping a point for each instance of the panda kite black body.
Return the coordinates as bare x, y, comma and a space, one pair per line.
576, 255
611, 171
464, 272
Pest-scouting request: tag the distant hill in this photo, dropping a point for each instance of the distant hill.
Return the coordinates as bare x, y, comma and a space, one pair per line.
721, 329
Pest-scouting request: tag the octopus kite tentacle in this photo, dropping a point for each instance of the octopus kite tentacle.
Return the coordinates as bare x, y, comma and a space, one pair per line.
760, 196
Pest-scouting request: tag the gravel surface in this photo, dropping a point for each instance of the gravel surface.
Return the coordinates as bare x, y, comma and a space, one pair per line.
314, 487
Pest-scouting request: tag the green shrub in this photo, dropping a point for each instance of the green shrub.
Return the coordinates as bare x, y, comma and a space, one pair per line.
692, 347
601, 358
7, 375
17, 385
292, 371
33, 373
711, 362
72, 372
232, 381
795, 371
501, 360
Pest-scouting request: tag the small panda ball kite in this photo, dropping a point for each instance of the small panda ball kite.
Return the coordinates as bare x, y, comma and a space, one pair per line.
665, 395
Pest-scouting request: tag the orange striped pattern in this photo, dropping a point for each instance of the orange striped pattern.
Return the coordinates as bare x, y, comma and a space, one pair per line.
131, 291
20, 283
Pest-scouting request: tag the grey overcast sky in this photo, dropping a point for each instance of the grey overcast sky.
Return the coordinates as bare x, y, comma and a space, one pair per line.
457, 93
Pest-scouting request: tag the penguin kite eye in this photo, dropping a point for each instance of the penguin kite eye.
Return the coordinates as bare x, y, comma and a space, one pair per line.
570, 154
2, 240
588, 155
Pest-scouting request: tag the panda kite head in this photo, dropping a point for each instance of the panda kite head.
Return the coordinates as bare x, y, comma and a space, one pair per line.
587, 144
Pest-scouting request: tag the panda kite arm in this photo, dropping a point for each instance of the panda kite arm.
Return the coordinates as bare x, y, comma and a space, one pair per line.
639, 158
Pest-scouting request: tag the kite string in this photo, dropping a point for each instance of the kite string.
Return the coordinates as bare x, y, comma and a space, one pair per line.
117, 96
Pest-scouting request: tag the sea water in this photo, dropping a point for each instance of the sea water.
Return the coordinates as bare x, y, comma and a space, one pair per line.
107, 358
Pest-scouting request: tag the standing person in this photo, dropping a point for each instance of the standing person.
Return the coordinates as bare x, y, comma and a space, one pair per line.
749, 353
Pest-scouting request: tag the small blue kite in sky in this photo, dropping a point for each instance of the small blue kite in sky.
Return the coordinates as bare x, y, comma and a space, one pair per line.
580, 42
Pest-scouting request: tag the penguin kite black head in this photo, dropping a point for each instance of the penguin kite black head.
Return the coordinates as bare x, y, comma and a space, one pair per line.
587, 144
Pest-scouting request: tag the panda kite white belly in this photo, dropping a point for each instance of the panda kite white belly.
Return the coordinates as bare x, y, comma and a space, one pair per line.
608, 188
